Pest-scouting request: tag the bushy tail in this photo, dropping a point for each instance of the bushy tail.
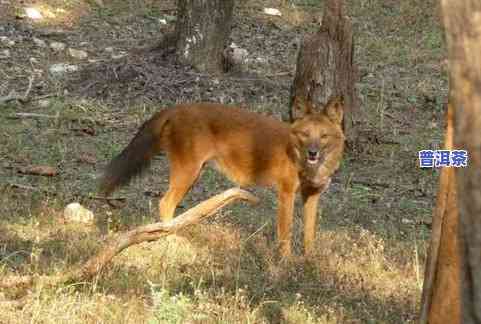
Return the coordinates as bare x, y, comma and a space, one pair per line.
136, 157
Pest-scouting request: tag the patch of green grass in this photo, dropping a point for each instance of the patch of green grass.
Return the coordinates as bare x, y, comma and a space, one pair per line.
362, 195
309, 3
169, 309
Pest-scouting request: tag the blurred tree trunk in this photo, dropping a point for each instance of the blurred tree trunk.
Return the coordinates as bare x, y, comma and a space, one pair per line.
325, 66
462, 21
202, 32
440, 302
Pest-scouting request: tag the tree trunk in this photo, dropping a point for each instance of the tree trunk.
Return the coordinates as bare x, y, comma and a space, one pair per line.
202, 32
462, 21
440, 302
325, 66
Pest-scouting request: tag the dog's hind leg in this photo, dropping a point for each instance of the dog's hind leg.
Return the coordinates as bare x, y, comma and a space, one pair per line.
182, 177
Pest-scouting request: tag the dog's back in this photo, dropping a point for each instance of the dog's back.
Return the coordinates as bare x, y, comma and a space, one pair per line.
247, 147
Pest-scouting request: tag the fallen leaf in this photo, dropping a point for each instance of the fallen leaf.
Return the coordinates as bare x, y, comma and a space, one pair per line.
87, 158
41, 170
84, 131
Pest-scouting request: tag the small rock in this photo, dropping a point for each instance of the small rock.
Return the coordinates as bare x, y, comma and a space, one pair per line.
76, 213
5, 54
44, 103
83, 44
39, 42
62, 68
33, 13
239, 55
57, 46
162, 21
7, 41
170, 18
235, 56
109, 49
33, 60
99, 3
119, 55
77, 54
52, 31
272, 12
406, 221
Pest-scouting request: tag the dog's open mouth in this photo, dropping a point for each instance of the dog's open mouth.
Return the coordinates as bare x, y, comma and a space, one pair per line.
313, 160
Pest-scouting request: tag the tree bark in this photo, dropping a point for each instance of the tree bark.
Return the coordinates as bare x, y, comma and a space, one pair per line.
325, 66
202, 33
440, 302
462, 21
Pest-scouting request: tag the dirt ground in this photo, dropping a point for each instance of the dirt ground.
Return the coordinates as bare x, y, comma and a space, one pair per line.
376, 216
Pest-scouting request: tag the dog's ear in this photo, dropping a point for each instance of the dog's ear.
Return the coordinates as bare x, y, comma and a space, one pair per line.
334, 109
300, 107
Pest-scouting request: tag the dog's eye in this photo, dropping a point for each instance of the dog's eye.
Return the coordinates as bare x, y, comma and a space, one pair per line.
324, 136
302, 134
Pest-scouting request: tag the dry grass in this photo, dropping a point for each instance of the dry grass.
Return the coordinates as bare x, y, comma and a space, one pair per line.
213, 274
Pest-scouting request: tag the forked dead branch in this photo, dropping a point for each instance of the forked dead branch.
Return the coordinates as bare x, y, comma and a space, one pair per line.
121, 241
12, 96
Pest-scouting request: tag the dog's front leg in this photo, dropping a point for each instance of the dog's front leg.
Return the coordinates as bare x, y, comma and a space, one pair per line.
310, 200
285, 211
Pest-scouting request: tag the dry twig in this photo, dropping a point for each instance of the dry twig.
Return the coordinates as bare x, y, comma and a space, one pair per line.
146, 233
29, 188
57, 117
12, 96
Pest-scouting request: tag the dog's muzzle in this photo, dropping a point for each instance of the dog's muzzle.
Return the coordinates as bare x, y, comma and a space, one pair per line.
313, 156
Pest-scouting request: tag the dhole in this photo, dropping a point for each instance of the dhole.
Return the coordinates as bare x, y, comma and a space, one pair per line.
248, 148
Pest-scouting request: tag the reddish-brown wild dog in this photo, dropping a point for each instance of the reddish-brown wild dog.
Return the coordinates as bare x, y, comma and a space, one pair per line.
249, 148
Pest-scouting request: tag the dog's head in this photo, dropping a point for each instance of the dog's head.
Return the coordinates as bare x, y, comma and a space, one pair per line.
317, 133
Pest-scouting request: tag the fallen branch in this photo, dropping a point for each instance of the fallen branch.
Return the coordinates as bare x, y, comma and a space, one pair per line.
121, 199
370, 183
367, 183
40, 170
45, 96
33, 115
12, 303
29, 188
120, 242
56, 116
12, 96
114, 202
